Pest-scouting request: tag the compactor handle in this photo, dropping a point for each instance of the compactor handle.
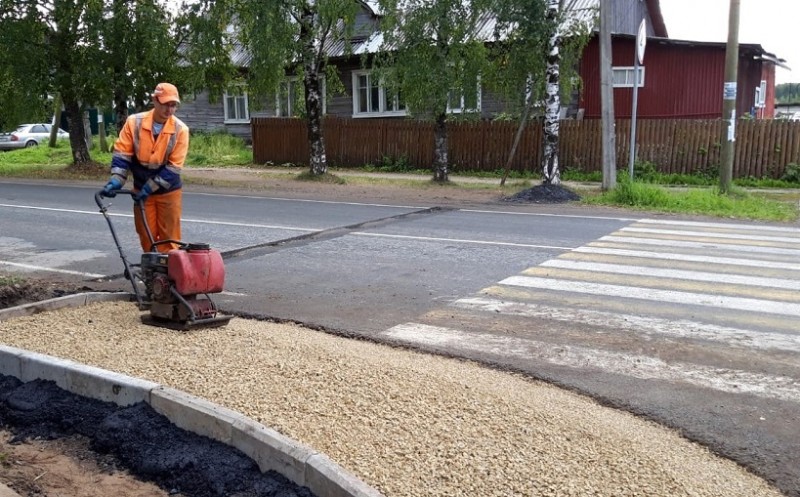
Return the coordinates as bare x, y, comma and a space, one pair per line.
98, 197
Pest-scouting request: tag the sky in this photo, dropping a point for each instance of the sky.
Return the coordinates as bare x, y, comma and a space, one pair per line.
773, 24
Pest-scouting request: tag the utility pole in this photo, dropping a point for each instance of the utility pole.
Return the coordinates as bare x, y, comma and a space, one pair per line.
729, 100
607, 100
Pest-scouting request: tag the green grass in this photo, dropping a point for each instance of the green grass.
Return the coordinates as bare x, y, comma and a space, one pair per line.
205, 149
8, 280
218, 150
705, 201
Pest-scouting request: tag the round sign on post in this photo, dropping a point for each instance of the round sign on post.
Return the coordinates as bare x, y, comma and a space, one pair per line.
641, 41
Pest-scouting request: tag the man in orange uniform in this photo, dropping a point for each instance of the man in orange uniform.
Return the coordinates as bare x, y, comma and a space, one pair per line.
152, 146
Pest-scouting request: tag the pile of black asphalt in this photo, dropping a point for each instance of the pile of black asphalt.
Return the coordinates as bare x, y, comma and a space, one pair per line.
544, 194
138, 439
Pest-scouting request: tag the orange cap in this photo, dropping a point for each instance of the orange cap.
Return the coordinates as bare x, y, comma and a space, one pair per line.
166, 92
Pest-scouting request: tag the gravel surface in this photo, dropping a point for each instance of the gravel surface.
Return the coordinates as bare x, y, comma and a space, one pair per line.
409, 424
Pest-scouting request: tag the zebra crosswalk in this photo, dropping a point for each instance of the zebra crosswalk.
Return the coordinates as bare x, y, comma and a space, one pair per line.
714, 305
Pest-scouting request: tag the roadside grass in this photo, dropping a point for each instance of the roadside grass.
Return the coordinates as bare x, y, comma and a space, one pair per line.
206, 149
695, 200
673, 193
9, 280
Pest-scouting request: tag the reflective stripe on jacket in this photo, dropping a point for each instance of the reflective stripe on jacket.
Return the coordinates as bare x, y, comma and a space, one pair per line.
157, 162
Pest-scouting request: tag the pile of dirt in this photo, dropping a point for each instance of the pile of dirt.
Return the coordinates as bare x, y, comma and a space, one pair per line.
544, 194
136, 439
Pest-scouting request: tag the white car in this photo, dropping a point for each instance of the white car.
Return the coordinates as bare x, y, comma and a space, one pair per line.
28, 135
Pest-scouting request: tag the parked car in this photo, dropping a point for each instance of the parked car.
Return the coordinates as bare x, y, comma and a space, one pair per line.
28, 135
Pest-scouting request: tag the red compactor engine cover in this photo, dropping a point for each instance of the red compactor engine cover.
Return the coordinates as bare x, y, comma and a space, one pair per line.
196, 269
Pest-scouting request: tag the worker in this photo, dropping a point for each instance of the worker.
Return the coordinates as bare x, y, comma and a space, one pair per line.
152, 146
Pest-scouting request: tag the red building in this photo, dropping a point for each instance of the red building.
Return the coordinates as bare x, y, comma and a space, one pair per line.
682, 79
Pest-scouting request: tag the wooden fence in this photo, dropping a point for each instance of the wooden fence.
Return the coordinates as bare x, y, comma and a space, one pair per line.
763, 147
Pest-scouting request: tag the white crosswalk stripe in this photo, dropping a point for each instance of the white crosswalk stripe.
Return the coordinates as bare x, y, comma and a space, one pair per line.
725, 296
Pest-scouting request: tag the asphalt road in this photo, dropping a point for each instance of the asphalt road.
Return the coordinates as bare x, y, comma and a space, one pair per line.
692, 323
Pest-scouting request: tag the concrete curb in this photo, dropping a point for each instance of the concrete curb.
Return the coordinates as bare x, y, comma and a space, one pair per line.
268, 448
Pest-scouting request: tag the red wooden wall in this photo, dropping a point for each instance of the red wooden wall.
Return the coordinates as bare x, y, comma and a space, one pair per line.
682, 80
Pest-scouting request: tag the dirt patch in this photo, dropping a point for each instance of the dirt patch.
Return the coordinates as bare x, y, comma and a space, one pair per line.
15, 291
70, 444
65, 467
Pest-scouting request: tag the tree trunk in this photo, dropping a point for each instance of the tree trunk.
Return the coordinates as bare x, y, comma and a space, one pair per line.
56, 120
440, 174
318, 158
77, 136
550, 170
120, 111
311, 66
101, 130
87, 129
522, 122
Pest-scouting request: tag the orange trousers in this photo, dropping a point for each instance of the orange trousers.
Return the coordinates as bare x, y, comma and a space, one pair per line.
163, 213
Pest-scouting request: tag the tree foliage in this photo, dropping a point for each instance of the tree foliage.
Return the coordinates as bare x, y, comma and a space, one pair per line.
787, 93
87, 51
519, 55
432, 56
535, 60
280, 37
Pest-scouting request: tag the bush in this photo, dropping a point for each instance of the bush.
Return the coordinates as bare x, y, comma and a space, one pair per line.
792, 173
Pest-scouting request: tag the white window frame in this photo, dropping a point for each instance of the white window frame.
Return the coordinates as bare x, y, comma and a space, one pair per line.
628, 70
761, 95
384, 109
462, 108
282, 100
236, 119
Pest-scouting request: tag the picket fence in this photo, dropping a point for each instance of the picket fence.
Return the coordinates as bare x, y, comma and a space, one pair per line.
763, 148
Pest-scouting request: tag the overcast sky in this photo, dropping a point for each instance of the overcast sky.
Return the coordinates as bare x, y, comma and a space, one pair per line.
773, 24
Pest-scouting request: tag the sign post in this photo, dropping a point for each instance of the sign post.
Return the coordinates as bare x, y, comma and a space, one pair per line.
641, 42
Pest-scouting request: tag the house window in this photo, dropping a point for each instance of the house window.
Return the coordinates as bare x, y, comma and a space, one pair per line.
371, 99
236, 107
623, 77
291, 96
469, 101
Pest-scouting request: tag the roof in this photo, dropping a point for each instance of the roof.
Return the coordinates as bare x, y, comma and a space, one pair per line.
580, 12
586, 11
757, 51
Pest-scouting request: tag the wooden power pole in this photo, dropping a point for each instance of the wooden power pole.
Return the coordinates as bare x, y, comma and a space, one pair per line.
607, 100
728, 138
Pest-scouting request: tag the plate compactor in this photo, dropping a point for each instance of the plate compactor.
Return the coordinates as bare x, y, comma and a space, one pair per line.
174, 286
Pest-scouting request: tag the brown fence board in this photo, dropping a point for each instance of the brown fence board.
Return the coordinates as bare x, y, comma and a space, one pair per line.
762, 148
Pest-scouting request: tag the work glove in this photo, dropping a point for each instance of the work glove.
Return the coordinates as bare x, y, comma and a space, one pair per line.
143, 193
110, 190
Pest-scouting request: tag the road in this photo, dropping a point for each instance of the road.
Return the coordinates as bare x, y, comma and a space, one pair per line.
690, 323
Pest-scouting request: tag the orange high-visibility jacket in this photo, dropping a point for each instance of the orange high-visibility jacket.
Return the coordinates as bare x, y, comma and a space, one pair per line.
155, 161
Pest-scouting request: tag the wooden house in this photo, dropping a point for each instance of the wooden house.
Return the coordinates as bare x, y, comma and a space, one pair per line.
681, 78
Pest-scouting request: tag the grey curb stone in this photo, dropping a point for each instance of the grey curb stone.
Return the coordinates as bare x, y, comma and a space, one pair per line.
194, 414
271, 450
268, 448
325, 477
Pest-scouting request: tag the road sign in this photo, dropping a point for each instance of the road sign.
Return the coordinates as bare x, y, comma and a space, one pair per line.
641, 41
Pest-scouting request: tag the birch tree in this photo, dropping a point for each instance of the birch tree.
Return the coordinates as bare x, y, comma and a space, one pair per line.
432, 58
551, 173
538, 47
287, 38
